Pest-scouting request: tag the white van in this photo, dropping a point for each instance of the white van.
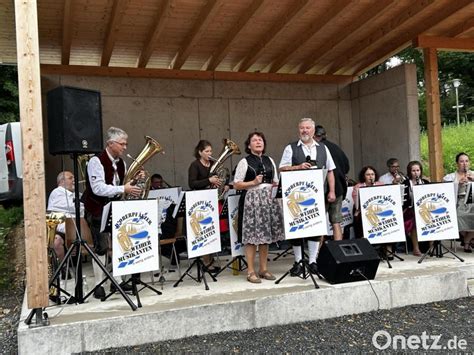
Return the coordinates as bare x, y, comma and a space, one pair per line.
11, 168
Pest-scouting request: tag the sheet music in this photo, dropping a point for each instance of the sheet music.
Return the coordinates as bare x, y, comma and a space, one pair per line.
178, 203
105, 217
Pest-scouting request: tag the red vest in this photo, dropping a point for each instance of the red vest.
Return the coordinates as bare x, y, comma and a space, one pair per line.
93, 203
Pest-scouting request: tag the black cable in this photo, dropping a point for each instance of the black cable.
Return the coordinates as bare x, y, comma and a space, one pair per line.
370, 283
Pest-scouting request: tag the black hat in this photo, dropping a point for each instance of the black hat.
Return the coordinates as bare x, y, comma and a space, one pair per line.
319, 131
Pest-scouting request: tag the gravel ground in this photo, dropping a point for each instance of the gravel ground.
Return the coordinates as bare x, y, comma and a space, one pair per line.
10, 308
348, 334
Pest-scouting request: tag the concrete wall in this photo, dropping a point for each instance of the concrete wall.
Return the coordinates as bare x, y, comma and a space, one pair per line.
385, 119
178, 113
371, 119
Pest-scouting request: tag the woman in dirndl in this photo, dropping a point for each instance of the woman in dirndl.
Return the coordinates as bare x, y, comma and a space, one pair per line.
260, 216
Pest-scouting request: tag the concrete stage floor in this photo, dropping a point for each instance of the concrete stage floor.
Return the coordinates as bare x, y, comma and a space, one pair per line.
232, 303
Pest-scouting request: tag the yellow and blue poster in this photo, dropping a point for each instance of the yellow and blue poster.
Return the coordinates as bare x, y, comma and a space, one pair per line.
202, 223
134, 237
237, 248
382, 214
435, 211
304, 211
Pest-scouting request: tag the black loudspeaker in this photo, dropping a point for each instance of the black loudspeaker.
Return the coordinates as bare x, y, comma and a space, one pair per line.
74, 121
348, 260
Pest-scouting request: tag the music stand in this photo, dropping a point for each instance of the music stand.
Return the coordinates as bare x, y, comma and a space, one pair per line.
77, 245
385, 254
439, 250
304, 263
180, 211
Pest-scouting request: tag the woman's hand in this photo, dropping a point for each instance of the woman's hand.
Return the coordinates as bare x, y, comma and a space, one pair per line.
214, 180
258, 180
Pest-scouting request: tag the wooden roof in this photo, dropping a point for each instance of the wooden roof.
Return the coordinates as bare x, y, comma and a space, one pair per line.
345, 37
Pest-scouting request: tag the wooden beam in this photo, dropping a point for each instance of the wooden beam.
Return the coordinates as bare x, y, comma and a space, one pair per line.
462, 28
159, 23
361, 48
434, 114
373, 10
113, 27
85, 70
270, 35
67, 32
224, 46
302, 38
34, 197
199, 27
387, 48
444, 43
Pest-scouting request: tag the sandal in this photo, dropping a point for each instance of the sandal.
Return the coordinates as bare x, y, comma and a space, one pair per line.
253, 278
267, 275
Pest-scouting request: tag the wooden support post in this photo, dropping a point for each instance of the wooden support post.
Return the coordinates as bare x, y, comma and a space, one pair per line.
34, 199
434, 114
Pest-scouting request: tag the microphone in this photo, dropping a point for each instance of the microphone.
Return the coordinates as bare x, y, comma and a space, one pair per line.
308, 160
371, 181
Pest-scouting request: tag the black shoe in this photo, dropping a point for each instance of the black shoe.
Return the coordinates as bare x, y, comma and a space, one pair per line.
296, 270
99, 292
313, 268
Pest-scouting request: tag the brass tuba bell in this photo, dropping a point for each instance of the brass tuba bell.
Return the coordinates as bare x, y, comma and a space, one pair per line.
218, 169
150, 149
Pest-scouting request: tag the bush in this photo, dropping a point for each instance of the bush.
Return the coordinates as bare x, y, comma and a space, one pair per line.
455, 139
9, 218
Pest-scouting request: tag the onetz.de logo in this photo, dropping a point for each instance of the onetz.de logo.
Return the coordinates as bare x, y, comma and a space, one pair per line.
382, 340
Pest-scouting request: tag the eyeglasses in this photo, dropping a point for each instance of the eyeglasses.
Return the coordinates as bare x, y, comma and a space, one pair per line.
394, 166
121, 144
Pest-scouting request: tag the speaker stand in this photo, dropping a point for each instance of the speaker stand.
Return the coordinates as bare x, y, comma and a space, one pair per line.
439, 250
386, 254
242, 265
304, 264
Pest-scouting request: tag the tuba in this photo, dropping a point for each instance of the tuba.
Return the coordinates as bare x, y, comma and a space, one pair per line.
218, 168
151, 148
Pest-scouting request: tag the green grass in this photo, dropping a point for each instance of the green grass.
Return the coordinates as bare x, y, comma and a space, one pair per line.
9, 218
455, 139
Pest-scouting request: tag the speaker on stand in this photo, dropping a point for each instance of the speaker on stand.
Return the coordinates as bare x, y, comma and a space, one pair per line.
74, 121
342, 261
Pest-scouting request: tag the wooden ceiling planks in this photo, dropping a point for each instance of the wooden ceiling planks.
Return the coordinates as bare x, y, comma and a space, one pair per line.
284, 36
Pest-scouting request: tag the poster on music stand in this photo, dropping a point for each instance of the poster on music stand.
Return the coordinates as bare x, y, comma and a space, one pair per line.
382, 214
134, 237
304, 212
237, 248
346, 212
202, 223
435, 211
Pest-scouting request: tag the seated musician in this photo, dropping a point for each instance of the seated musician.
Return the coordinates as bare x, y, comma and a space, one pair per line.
61, 199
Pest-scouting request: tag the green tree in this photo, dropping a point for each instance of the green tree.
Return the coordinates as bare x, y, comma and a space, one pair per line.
9, 106
451, 65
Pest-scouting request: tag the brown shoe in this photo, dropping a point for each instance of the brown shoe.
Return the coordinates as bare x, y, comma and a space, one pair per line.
267, 275
253, 278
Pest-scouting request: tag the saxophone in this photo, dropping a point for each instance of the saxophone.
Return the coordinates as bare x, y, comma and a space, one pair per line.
218, 169
133, 173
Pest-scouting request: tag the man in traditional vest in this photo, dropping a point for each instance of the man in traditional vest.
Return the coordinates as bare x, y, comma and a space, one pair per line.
305, 154
104, 183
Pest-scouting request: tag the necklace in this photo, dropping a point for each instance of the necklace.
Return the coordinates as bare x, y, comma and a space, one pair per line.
205, 163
